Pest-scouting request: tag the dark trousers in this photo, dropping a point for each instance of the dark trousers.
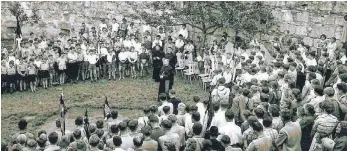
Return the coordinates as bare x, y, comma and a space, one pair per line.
72, 71
171, 81
156, 72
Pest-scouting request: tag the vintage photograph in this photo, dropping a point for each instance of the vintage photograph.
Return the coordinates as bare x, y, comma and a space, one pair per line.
173, 76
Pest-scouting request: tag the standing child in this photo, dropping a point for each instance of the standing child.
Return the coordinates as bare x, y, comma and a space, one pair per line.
93, 58
22, 71
61, 68
37, 63
132, 61
11, 75
3, 75
32, 73
45, 72
144, 59
51, 62
111, 64
122, 56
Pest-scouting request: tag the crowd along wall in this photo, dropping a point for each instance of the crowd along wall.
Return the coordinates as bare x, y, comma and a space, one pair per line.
303, 20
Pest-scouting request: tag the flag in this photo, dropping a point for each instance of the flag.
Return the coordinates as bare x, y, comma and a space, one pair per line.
107, 110
86, 124
62, 110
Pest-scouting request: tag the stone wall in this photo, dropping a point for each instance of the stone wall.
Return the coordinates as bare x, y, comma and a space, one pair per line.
308, 20
56, 16
304, 20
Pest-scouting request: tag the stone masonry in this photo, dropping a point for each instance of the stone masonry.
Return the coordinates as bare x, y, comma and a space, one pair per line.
304, 20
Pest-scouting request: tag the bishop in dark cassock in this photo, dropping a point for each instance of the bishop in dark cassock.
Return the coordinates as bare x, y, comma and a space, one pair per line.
157, 56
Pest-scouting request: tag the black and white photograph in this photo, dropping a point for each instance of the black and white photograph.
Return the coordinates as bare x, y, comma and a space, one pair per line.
173, 75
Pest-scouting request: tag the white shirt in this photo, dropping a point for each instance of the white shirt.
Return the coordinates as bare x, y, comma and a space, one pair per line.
127, 43
102, 26
92, 59
133, 55
262, 76
311, 62
201, 110
138, 47
110, 57
122, 56
179, 43
219, 119
216, 78
315, 103
103, 52
115, 27
165, 103
184, 33
227, 76
154, 43
72, 57
38, 63
233, 131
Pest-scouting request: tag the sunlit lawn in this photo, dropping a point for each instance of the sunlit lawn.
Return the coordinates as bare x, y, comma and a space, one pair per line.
128, 96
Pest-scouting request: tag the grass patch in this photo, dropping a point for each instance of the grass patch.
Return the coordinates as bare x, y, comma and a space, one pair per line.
128, 96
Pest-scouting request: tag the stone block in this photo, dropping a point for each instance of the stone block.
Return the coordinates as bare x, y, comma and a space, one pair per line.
64, 25
291, 28
287, 16
329, 31
308, 41
338, 32
316, 31
277, 14
86, 4
326, 5
301, 30
317, 19
341, 6
302, 17
340, 20
330, 20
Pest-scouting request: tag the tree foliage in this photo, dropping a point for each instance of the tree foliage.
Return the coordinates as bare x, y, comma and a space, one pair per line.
18, 11
209, 16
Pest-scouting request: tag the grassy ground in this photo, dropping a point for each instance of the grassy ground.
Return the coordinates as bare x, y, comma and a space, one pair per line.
128, 96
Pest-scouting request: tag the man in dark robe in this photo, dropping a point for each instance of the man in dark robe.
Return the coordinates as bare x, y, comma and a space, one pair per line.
170, 55
165, 73
157, 56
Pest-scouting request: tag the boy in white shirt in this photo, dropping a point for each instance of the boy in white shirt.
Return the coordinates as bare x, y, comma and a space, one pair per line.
157, 41
62, 67
92, 59
122, 56
133, 60
115, 25
111, 64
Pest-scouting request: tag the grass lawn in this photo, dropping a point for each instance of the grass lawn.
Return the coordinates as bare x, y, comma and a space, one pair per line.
128, 96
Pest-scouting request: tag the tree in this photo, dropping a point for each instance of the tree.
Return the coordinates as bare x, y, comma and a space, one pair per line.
208, 16
22, 18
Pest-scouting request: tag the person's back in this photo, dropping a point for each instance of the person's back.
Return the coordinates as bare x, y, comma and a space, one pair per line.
262, 144
289, 136
53, 139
